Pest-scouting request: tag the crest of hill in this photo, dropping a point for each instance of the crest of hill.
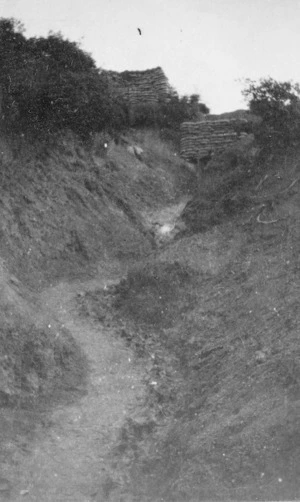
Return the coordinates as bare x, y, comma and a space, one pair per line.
235, 115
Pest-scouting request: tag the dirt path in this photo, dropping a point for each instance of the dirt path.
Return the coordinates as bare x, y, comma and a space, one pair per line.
68, 463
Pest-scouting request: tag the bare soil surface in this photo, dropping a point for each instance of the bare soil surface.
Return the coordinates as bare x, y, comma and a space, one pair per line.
165, 221
213, 413
66, 459
69, 214
64, 455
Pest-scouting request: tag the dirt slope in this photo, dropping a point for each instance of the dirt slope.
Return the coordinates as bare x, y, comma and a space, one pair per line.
66, 460
65, 206
215, 317
69, 211
212, 316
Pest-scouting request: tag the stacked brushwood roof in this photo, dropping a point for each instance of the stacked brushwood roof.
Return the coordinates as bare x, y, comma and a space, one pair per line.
141, 88
200, 139
146, 87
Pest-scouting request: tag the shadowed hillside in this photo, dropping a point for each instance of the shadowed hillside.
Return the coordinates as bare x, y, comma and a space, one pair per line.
65, 207
214, 317
69, 211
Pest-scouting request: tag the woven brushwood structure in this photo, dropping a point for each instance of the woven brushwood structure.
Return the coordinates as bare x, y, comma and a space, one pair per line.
141, 88
145, 87
200, 139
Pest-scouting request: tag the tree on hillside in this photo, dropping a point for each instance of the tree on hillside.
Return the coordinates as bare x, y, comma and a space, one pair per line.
50, 84
196, 108
278, 105
176, 109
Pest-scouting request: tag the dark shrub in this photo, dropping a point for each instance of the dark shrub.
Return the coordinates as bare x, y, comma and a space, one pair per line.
278, 105
50, 84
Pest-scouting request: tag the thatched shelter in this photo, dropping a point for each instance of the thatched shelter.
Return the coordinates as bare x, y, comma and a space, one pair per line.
200, 139
141, 88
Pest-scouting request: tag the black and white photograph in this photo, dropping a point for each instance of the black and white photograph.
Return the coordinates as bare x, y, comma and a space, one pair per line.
149, 250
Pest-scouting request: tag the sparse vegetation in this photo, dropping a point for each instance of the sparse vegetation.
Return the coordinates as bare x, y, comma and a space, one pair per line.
213, 318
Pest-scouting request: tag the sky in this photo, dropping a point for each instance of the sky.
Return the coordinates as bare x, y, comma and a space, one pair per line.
207, 47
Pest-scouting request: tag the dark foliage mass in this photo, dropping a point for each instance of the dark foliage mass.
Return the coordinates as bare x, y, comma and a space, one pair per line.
278, 105
51, 84
171, 111
179, 109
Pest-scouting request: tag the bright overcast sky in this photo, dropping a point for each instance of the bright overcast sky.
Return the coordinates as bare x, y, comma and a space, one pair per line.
204, 46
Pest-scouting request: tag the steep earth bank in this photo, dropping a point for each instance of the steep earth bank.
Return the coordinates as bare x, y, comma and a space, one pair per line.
210, 320
69, 212
214, 317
